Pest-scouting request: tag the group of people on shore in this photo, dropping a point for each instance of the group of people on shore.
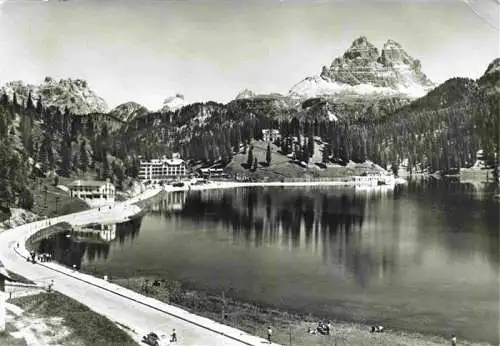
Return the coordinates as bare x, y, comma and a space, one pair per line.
40, 257
323, 328
44, 257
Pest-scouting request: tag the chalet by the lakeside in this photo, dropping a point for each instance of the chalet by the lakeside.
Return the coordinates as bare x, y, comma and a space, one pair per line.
94, 193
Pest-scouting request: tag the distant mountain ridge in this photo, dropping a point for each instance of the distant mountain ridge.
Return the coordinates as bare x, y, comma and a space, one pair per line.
73, 94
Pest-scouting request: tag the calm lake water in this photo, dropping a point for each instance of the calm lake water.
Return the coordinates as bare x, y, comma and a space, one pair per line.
422, 257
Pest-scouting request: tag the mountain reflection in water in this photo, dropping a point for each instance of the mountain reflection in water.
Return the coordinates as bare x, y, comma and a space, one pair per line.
422, 257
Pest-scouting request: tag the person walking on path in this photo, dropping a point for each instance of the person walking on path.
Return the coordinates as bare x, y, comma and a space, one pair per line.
174, 336
51, 284
269, 334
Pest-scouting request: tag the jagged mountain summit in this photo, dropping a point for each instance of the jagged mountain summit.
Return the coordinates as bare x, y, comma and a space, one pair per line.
128, 111
71, 93
363, 70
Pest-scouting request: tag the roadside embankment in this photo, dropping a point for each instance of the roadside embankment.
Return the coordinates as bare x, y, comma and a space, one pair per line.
54, 319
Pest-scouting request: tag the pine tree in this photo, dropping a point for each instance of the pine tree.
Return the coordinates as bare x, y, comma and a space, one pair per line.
4, 100
305, 155
268, 154
297, 152
14, 101
250, 157
26, 199
84, 158
66, 156
39, 107
255, 164
326, 153
26, 134
43, 157
310, 146
29, 102
106, 171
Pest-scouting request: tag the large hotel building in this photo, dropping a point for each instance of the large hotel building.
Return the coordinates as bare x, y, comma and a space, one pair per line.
158, 170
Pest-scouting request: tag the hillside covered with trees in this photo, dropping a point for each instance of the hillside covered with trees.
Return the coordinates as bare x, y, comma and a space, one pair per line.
440, 131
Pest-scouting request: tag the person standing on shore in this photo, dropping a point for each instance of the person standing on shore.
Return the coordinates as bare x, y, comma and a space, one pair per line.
453, 340
269, 334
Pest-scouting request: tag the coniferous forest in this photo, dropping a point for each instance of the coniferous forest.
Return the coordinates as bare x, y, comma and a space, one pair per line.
438, 132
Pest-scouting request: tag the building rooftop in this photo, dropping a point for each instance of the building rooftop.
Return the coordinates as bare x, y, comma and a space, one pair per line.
90, 183
170, 162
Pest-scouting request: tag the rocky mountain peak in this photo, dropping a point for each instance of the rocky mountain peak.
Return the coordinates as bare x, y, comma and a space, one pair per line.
393, 55
128, 111
363, 69
173, 103
245, 94
490, 80
493, 67
73, 94
361, 49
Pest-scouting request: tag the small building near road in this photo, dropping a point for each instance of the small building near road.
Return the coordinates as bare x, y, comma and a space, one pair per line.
158, 170
95, 193
270, 135
210, 172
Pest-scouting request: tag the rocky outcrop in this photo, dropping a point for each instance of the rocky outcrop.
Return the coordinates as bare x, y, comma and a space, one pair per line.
363, 70
173, 103
129, 111
73, 94
245, 94
490, 80
18, 217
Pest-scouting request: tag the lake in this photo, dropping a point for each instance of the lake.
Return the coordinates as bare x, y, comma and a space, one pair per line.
422, 257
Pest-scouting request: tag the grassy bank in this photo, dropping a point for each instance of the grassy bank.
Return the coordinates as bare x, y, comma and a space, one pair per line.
88, 327
50, 201
255, 319
282, 167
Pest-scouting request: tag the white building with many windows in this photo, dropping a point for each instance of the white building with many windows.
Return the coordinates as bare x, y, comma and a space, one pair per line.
94, 193
270, 135
158, 170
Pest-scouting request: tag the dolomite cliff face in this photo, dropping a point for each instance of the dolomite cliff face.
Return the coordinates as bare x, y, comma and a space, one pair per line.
363, 70
73, 94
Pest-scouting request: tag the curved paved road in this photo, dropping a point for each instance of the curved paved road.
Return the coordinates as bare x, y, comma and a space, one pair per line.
139, 313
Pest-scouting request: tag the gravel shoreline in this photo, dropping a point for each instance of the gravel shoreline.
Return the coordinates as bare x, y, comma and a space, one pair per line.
286, 326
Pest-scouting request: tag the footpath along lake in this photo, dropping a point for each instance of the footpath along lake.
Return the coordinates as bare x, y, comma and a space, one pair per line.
422, 257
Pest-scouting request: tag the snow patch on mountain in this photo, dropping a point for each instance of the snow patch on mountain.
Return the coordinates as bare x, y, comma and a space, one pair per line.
173, 103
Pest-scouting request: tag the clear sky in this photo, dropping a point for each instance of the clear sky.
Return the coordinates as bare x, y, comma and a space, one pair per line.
147, 50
